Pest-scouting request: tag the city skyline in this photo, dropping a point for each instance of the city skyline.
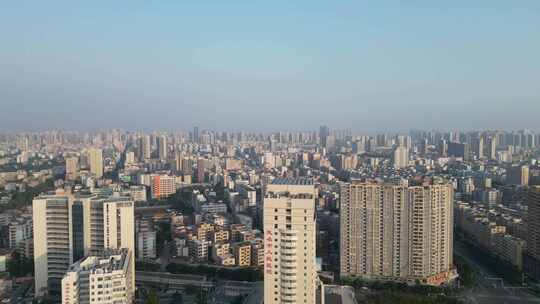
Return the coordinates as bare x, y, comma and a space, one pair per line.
279, 217
372, 67
274, 131
255, 152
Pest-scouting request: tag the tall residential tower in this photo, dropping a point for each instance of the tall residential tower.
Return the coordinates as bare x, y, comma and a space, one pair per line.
95, 157
392, 232
532, 256
289, 228
162, 147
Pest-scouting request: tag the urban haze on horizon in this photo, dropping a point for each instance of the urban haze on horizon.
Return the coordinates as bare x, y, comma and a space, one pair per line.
370, 67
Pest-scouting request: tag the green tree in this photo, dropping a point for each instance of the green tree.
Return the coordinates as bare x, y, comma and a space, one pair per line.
202, 297
190, 289
20, 266
146, 266
163, 235
466, 274
178, 298
181, 201
21, 199
151, 298
238, 300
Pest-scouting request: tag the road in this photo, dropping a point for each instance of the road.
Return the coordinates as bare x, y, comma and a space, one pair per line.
489, 288
165, 255
182, 281
227, 291
18, 294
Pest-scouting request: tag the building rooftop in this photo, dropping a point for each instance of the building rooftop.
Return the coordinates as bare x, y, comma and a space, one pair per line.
292, 181
103, 262
339, 295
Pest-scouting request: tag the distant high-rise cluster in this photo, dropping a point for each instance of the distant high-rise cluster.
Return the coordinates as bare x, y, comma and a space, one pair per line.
299, 205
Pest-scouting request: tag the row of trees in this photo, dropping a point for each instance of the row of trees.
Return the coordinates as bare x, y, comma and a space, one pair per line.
201, 296
466, 273
163, 235
396, 297
20, 266
146, 266
489, 260
233, 274
33, 164
359, 283
381, 292
21, 199
181, 201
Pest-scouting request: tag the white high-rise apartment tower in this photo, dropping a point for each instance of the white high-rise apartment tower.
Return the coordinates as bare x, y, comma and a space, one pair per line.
68, 227
53, 241
289, 228
391, 232
401, 157
119, 227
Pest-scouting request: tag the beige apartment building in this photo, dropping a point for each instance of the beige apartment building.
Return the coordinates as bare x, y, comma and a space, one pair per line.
95, 158
289, 234
489, 234
72, 168
401, 157
220, 236
402, 233
242, 254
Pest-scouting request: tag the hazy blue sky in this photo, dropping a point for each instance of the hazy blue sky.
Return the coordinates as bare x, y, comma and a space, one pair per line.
261, 65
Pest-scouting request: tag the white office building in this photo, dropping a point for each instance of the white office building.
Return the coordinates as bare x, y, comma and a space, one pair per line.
105, 278
53, 241
20, 230
69, 227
